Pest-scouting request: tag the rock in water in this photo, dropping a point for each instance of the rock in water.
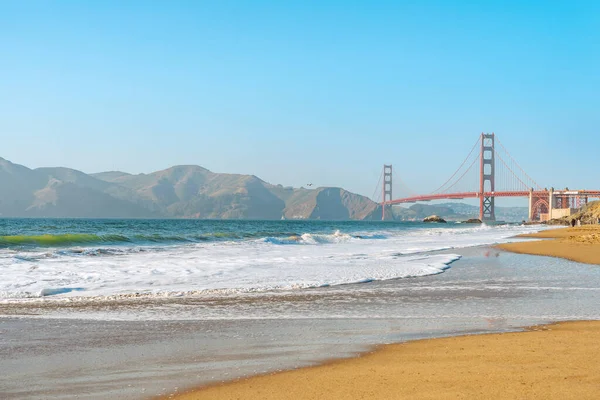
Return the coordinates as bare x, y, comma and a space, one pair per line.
434, 218
472, 221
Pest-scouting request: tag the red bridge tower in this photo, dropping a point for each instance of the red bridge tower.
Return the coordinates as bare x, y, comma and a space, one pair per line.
486, 182
387, 189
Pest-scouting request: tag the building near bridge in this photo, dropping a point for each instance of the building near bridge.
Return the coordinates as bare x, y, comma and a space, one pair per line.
559, 204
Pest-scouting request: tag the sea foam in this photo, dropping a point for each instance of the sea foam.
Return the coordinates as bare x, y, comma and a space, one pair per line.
290, 262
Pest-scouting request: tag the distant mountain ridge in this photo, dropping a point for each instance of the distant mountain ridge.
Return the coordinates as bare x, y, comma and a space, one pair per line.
185, 191
457, 212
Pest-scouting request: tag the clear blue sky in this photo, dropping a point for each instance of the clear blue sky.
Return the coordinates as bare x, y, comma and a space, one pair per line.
298, 91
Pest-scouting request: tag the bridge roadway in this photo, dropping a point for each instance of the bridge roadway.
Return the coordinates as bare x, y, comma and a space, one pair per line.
522, 193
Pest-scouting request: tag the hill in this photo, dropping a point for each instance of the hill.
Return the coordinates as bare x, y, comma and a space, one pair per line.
327, 203
185, 191
456, 212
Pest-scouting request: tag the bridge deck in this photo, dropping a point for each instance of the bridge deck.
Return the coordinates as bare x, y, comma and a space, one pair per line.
467, 195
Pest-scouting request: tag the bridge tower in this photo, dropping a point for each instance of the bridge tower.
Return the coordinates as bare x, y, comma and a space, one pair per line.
486, 181
387, 189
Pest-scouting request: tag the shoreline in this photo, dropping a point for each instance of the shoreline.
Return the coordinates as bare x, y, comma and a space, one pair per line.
202, 343
579, 244
556, 360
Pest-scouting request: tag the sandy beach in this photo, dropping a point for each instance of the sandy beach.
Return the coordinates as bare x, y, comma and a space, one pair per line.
581, 244
556, 361
334, 339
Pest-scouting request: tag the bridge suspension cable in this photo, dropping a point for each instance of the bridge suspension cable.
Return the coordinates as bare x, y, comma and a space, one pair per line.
512, 175
538, 187
462, 176
403, 187
439, 190
377, 191
499, 175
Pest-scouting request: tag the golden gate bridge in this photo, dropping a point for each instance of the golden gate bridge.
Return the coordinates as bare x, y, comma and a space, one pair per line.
487, 174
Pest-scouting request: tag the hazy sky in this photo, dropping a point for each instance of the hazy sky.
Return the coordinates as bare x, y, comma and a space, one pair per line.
298, 91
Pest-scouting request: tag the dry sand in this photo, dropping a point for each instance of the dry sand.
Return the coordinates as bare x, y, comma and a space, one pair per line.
558, 361
581, 244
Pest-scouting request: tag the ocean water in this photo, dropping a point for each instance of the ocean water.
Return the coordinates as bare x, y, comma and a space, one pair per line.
134, 309
111, 259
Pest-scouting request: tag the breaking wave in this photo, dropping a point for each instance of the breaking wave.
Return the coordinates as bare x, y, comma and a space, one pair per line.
313, 238
166, 257
86, 239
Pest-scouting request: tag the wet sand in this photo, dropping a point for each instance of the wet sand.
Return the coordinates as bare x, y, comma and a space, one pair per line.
581, 244
558, 361
128, 352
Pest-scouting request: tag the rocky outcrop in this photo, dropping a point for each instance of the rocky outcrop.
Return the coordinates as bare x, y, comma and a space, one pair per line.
588, 215
472, 221
434, 218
